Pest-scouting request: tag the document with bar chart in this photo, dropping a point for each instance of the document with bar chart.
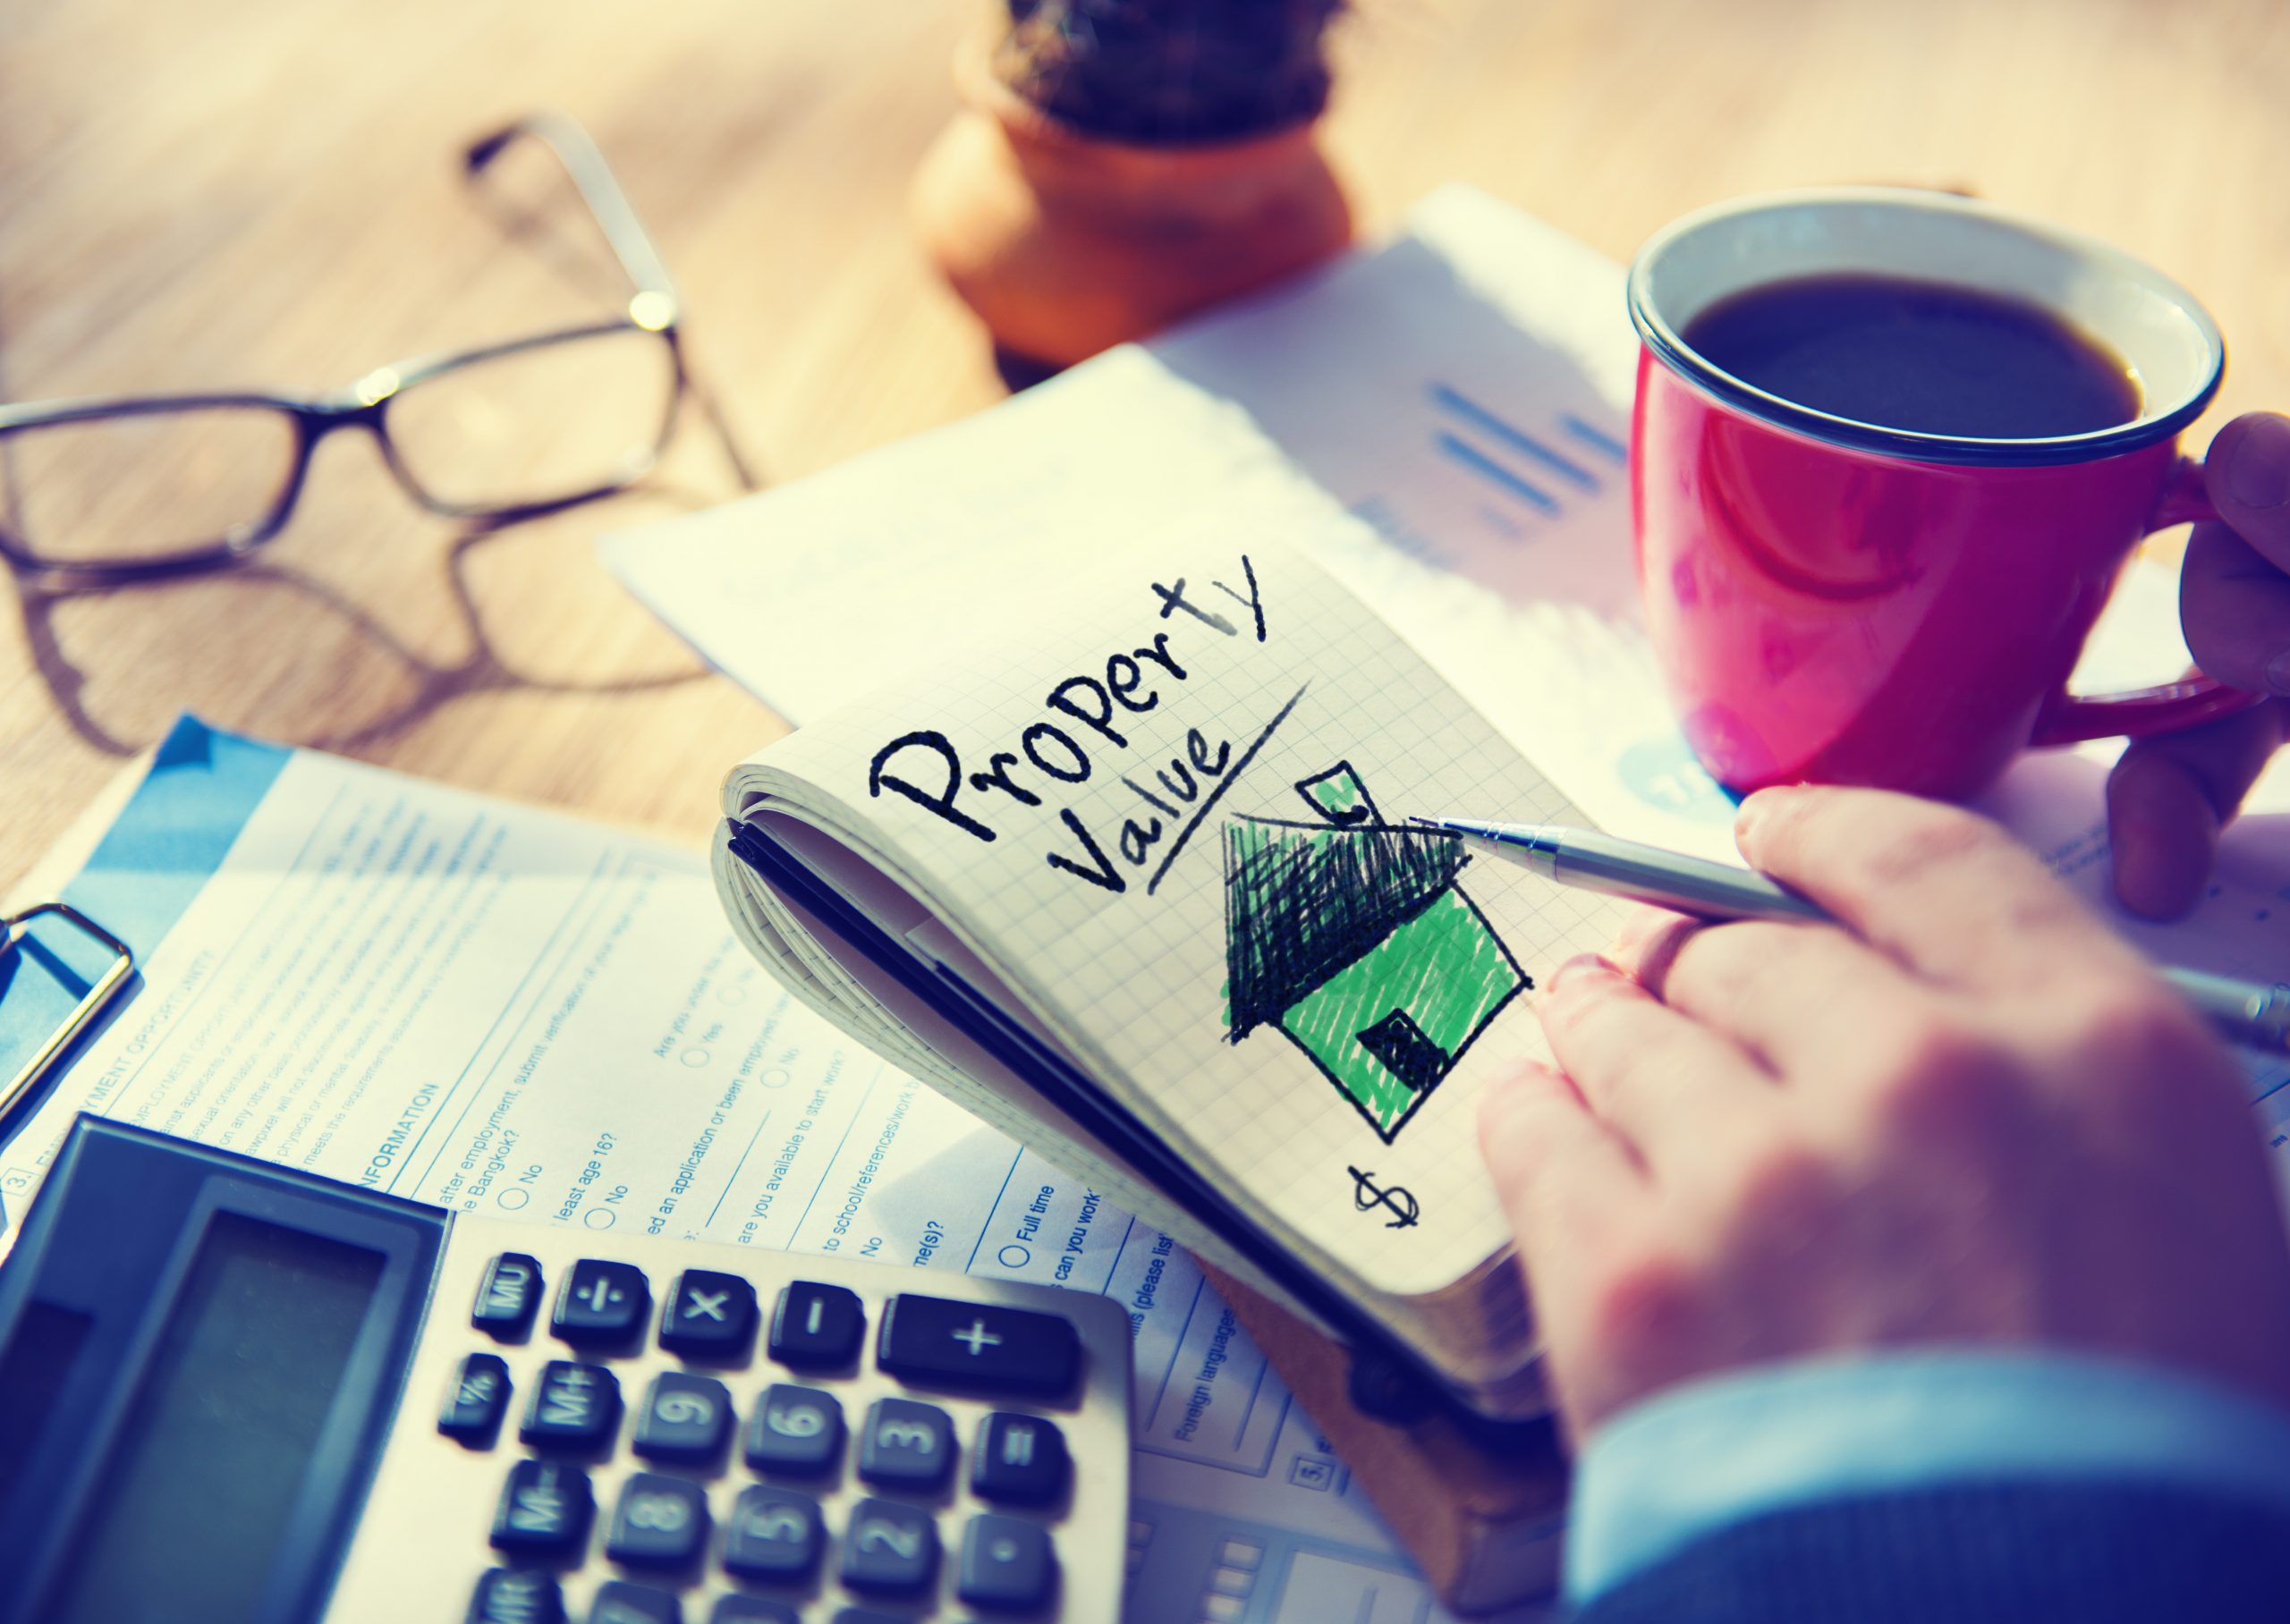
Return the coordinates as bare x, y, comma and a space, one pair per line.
1462, 393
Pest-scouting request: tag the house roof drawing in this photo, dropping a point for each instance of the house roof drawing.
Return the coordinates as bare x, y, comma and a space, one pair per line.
1304, 901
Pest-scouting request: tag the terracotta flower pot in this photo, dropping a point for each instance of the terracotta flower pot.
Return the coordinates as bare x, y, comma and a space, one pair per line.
1067, 244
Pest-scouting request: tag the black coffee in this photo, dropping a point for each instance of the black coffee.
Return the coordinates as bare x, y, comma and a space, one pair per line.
1922, 356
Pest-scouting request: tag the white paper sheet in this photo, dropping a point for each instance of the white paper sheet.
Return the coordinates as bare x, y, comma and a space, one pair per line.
494, 1009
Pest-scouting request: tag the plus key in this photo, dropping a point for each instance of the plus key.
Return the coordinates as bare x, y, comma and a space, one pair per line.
932, 1339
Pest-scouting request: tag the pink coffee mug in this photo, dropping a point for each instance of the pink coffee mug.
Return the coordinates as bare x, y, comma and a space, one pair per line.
1836, 602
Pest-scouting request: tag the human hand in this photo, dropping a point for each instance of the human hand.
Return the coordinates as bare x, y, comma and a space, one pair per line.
2169, 796
1970, 1113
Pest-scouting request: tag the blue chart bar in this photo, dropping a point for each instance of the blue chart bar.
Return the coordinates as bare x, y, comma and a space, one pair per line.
1489, 468
1454, 399
1596, 438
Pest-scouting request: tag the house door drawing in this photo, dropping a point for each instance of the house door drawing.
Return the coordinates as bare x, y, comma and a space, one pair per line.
1353, 938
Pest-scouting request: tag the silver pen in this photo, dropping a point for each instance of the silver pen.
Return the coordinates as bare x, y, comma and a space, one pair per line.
2249, 1012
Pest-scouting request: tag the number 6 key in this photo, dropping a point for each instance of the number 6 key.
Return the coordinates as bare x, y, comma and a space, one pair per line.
797, 1430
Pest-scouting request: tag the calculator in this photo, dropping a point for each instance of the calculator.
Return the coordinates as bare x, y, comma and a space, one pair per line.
231, 1390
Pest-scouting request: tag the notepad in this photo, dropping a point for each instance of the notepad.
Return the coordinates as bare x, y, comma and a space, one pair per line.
1131, 877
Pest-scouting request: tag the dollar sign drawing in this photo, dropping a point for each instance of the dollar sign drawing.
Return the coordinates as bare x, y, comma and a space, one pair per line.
1367, 1193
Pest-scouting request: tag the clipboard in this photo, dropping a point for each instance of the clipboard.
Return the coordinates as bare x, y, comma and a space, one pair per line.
106, 893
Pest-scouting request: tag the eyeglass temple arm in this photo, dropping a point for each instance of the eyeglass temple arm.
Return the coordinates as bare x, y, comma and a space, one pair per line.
615, 217
600, 188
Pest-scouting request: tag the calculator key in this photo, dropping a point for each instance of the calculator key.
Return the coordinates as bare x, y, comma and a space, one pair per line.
889, 1549
736, 1609
1007, 1562
618, 1602
1019, 1461
476, 1395
545, 1509
775, 1533
508, 1296
795, 1430
816, 1325
933, 1340
601, 1302
708, 1315
683, 1418
906, 1444
516, 1596
573, 1406
660, 1522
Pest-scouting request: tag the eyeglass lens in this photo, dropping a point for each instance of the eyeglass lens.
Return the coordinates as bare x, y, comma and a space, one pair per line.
145, 486
537, 424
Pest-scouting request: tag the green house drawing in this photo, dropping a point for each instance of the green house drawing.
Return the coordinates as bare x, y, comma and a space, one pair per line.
1352, 937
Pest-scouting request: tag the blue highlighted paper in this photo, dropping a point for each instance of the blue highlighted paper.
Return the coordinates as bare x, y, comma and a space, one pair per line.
203, 785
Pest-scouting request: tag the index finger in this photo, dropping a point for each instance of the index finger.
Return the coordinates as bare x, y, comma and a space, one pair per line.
1944, 891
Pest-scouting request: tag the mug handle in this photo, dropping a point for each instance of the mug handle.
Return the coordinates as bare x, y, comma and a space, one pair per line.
2140, 712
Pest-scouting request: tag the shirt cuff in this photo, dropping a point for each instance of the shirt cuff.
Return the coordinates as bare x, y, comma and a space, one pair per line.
1710, 1453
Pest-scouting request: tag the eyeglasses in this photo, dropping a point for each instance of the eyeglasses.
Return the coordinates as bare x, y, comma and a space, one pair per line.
114, 489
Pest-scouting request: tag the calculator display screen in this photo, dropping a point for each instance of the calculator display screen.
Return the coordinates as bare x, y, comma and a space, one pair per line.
191, 1508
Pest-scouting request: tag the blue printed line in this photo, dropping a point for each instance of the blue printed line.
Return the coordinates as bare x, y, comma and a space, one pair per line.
1263, 1365
836, 1154
1178, 1347
736, 1166
1263, 1468
1501, 523
770, 1021
1222, 1466
987, 1222
595, 885
1518, 439
1107, 1289
1598, 439
1486, 468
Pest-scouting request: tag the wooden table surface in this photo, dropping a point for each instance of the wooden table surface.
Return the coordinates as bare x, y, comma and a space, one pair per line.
265, 192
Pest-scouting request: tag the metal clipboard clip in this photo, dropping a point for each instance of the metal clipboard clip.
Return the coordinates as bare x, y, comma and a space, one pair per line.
92, 1002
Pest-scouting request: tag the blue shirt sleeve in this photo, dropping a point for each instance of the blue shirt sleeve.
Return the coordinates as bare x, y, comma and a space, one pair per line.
1706, 1455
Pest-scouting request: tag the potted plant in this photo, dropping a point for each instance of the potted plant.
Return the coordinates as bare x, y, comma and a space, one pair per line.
1120, 164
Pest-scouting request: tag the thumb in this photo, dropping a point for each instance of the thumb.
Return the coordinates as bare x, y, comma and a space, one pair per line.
2247, 476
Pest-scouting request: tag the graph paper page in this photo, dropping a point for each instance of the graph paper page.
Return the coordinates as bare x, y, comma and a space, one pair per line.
1171, 802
